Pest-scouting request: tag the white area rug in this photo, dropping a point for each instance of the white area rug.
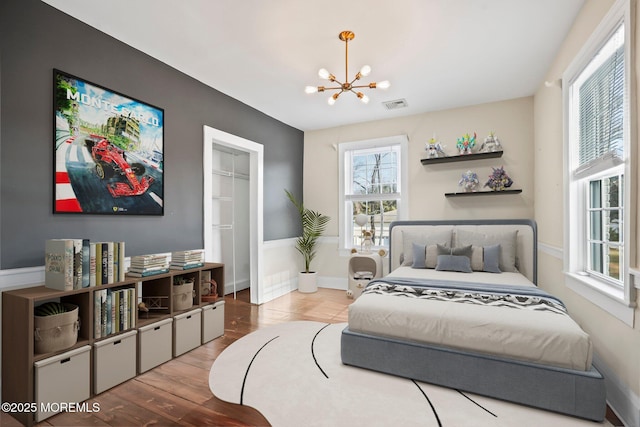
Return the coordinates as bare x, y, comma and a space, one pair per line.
293, 375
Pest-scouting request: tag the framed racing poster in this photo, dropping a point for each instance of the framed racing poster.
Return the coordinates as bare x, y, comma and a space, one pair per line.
108, 151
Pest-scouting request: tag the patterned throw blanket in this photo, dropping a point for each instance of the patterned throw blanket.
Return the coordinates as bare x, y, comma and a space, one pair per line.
518, 297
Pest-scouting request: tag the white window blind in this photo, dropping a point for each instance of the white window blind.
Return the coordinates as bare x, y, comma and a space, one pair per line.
599, 95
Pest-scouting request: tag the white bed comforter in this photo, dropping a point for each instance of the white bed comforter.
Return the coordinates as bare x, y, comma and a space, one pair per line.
541, 337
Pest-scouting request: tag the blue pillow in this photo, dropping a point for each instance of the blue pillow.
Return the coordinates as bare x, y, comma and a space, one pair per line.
462, 250
459, 263
491, 259
419, 256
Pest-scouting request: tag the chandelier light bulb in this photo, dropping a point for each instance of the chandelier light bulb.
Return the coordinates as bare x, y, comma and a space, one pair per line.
324, 74
349, 84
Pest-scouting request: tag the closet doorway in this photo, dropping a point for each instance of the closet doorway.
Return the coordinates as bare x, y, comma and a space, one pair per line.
233, 209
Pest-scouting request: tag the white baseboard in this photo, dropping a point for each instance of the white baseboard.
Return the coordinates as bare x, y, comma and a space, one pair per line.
333, 283
624, 402
279, 289
240, 285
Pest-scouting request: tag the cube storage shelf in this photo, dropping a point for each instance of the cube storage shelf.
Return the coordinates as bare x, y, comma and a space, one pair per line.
91, 363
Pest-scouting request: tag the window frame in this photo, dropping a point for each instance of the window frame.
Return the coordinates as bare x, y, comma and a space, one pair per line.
345, 227
617, 300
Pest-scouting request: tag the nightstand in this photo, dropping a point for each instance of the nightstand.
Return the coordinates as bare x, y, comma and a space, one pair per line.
363, 267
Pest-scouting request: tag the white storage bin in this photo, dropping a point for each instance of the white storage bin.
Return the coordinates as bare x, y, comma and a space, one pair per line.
212, 321
154, 344
186, 331
114, 361
62, 379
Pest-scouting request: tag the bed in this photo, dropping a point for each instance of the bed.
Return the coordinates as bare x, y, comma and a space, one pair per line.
460, 308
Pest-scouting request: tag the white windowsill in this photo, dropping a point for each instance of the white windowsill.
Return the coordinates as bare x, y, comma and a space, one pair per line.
636, 277
606, 297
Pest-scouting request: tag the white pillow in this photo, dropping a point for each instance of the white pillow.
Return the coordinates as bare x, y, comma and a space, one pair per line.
477, 258
432, 256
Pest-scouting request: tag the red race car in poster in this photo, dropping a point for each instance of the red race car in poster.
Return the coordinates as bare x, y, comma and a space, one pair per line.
111, 160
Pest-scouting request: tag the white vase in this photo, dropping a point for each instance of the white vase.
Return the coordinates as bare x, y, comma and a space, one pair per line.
308, 282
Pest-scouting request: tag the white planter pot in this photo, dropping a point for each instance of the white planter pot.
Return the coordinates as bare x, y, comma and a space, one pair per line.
308, 282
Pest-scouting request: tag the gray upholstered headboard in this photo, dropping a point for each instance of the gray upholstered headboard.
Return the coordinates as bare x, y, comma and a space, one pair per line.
526, 246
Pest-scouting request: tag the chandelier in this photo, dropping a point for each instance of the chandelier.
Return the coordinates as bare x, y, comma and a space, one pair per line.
347, 86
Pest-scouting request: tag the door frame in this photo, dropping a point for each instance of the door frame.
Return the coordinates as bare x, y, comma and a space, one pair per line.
256, 172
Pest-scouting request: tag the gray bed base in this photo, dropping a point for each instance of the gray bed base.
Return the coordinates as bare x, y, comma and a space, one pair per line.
577, 393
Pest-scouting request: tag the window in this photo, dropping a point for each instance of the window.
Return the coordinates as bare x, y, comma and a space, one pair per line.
598, 165
371, 182
605, 237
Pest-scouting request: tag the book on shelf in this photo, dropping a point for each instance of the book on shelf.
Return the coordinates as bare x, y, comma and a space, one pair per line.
97, 314
121, 266
184, 260
186, 266
148, 265
113, 311
92, 264
77, 263
110, 312
147, 273
103, 313
98, 277
138, 266
149, 259
187, 253
145, 269
109, 275
85, 263
187, 256
109, 261
104, 262
58, 264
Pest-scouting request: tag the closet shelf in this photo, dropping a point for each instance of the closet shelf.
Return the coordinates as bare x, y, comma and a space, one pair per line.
230, 174
222, 227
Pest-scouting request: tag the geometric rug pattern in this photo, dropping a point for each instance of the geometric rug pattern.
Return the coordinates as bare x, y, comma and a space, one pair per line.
293, 375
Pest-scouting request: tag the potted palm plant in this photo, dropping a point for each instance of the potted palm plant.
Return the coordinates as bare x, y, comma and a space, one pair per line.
313, 225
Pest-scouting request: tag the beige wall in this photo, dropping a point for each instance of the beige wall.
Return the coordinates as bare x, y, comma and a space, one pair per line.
616, 344
530, 129
511, 120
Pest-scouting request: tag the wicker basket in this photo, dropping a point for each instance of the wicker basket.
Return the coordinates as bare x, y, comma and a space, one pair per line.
183, 296
58, 331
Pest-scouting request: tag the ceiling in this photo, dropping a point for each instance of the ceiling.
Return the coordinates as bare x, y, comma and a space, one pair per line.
437, 54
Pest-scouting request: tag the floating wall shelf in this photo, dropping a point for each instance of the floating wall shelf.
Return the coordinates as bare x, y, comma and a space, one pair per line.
482, 193
462, 157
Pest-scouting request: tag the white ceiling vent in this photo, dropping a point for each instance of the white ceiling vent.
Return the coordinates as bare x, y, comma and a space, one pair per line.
395, 104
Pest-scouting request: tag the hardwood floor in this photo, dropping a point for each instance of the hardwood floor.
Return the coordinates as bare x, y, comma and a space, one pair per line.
177, 392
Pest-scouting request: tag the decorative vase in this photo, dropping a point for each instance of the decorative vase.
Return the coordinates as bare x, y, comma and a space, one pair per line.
308, 282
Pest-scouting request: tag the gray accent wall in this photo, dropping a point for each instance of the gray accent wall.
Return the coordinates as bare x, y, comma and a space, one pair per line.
36, 38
